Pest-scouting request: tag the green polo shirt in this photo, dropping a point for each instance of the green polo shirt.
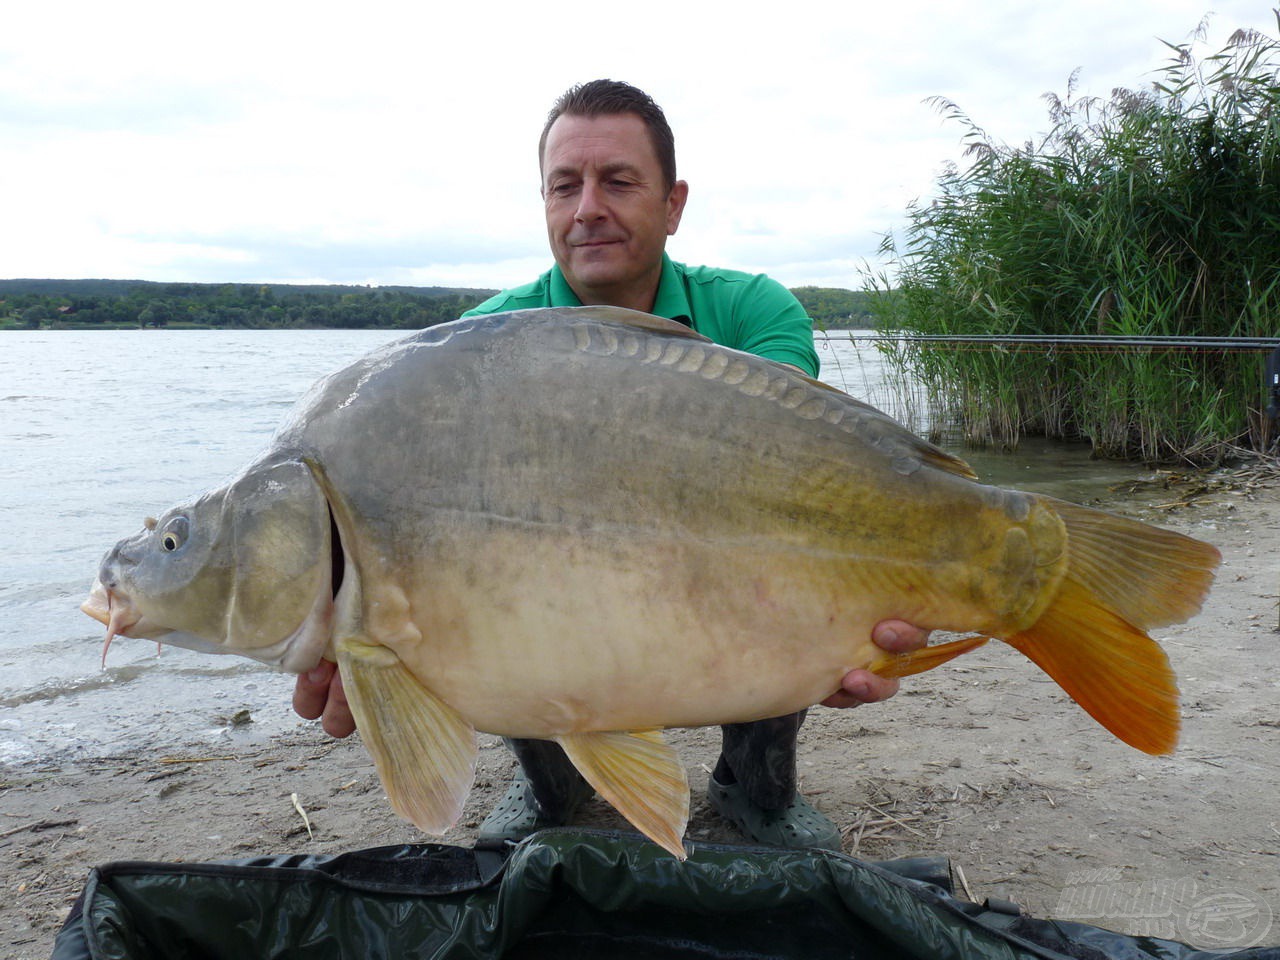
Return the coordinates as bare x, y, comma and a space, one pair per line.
744, 311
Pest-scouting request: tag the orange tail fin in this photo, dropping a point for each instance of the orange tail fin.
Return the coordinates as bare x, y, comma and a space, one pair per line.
1124, 577
1118, 674
1147, 575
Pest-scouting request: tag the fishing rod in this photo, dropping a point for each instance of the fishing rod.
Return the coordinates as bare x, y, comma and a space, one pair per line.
1078, 341
1095, 343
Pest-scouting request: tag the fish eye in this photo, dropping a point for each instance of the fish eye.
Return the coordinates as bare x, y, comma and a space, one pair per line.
174, 534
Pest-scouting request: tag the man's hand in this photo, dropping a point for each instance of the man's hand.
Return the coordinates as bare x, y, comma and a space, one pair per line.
863, 686
319, 693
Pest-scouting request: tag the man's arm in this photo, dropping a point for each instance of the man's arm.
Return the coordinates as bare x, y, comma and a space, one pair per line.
770, 322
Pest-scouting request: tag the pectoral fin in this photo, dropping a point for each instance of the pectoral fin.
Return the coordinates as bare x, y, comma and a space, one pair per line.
424, 750
891, 665
641, 775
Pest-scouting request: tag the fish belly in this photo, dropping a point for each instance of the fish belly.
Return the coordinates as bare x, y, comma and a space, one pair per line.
563, 635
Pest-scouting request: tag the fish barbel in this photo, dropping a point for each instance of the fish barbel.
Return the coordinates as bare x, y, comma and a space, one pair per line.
589, 524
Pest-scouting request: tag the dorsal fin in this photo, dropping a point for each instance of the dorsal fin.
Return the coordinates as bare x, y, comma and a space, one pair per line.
939, 458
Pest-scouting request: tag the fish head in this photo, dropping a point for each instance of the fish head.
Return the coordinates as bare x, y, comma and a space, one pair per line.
244, 569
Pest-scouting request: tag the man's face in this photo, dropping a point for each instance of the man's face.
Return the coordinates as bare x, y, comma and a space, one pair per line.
609, 212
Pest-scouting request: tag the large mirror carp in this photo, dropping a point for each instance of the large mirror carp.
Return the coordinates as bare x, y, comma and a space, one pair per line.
587, 525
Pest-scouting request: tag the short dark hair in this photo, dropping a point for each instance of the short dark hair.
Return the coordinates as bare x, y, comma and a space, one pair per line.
599, 98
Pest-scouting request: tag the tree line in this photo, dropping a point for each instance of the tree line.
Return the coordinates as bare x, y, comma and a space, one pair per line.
105, 304
33, 304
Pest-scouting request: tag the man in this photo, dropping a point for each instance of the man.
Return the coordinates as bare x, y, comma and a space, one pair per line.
611, 197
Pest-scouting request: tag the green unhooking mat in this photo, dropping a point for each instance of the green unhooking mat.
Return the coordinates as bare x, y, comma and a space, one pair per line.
570, 895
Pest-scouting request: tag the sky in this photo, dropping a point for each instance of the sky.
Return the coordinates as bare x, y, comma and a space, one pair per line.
395, 143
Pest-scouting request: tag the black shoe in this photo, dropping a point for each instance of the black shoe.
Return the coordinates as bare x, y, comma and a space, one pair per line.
796, 825
518, 814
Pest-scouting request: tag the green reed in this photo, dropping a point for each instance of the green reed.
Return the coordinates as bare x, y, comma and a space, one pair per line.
1152, 213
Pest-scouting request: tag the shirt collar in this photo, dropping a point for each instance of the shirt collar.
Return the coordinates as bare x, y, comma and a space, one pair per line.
562, 294
672, 302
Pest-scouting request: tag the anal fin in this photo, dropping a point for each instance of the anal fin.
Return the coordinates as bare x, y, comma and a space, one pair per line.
641, 775
424, 750
893, 665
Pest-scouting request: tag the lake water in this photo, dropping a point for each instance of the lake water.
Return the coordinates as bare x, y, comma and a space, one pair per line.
100, 429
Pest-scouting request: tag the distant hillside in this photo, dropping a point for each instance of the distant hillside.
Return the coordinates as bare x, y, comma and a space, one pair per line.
32, 304
835, 307
119, 288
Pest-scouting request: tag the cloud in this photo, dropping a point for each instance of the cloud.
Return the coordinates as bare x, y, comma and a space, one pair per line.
175, 142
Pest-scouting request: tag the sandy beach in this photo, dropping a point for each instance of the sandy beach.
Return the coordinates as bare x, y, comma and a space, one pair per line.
985, 761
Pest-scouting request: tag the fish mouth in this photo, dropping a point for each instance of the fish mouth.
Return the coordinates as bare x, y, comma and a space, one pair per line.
119, 615
98, 603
